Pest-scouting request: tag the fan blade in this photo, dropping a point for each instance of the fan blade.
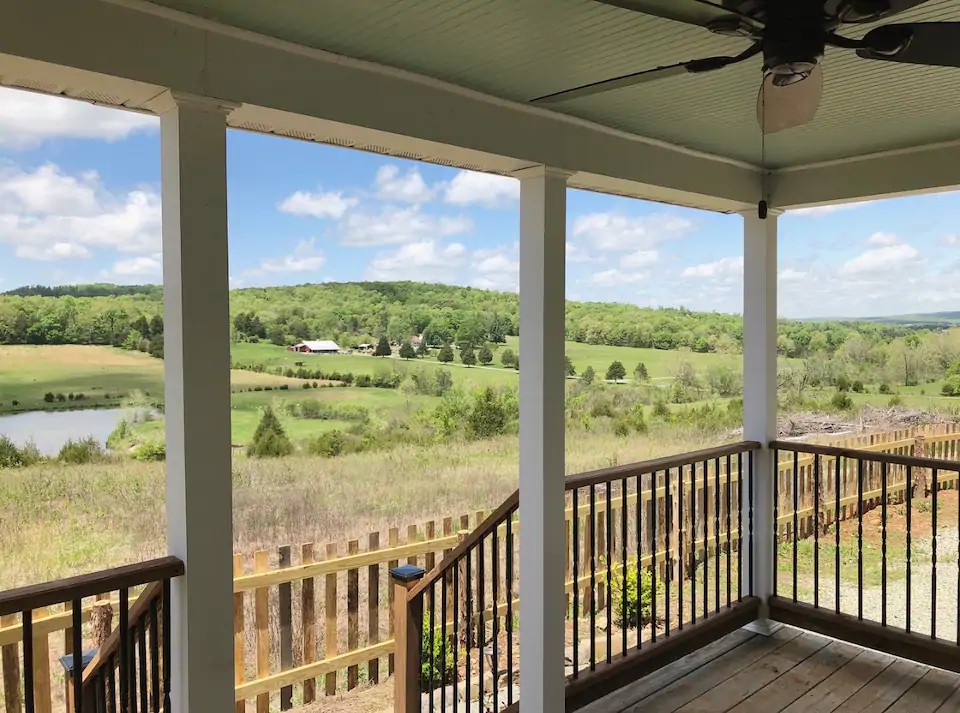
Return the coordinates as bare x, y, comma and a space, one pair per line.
692, 12
861, 11
930, 43
696, 66
780, 108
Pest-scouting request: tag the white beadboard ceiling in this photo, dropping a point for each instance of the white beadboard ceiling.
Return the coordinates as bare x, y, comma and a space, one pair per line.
520, 49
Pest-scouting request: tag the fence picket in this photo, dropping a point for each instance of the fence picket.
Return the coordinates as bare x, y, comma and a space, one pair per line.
286, 628
373, 608
262, 622
10, 658
308, 617
393, 540
353, 606
239, 634
330, 623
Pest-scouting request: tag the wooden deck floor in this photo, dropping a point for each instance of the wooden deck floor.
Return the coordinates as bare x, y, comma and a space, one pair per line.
789, 672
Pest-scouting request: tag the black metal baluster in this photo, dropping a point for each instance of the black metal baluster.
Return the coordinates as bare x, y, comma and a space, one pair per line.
575, 498
729, 505
154, 655
956, 484
909, 489
112, 680
609, 561
456, 627
142, 650
740, 476
706, 538
716, 532
77, 645
682, 529
124, 653
667, 560
166, 646
883, 543
593, 578
431, 686
796, 508
624, 536
444, 640
694, 553
27, 631
640, 534
481, 626
654, 527
468, 672
816, 530
933, 557
752, 550
859, 538
495, 587
102, 693
776, 521
836, 527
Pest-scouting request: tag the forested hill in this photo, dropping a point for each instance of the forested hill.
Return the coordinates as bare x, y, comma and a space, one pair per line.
364, 311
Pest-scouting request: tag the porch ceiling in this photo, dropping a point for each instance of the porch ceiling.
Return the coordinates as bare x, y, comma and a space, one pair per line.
520, 50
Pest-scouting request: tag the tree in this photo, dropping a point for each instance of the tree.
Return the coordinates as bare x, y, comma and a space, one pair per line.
507, 357
383, 348
485, 356
468, 357
616, 371
568, 367
422, 349
132, 340
406, 350
640, 372
269, 440
446, 354
588, 375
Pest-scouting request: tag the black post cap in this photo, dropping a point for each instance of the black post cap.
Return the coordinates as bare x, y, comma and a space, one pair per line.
407, 573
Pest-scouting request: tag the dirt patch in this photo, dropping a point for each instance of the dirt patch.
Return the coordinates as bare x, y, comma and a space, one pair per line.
371, 699
921, 518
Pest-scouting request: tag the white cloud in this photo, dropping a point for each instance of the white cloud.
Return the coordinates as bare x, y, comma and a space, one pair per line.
822, 210
304, 258
427, 261
952, 239
317, 205
409, 187
484, 189
881, 260
790, 275
56, 251
496, 269
880, 238
617, 232
576, 254
140, 267
27, 119
615, 278
47, 214
639, 260
394, 226
724, 268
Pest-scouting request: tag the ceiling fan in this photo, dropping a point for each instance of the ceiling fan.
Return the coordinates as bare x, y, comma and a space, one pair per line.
791, 36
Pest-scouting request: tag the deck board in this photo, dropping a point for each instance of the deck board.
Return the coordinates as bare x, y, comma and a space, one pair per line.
788, 672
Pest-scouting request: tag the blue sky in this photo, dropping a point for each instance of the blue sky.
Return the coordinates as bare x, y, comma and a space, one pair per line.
79, 202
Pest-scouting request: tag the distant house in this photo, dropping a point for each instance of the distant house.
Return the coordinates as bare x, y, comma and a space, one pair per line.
416, 339
321, 347
365, 347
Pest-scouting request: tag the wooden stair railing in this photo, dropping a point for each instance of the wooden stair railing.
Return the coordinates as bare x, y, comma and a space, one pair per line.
680, 518
143, 679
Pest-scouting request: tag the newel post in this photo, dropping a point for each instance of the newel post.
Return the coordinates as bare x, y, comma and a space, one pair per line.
408, 636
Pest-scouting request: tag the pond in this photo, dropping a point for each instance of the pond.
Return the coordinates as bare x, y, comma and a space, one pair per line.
51, 429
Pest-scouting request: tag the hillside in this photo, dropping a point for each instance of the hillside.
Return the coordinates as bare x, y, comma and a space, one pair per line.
364, 311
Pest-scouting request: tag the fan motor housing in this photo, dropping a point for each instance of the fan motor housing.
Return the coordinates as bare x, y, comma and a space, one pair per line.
793, 41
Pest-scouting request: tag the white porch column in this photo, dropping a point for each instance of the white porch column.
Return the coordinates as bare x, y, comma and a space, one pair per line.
543, 208
760, 392
197, 366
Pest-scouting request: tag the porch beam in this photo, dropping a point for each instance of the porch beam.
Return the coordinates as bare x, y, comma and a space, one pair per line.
197, 375
542, 495
760, 395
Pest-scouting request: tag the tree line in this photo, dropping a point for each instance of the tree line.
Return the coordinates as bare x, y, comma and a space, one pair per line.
363, 312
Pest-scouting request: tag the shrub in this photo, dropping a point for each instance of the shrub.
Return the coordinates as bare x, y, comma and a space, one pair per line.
857, 386
616, 371
489, 415
588, 375
327, 444
363, 381
631, 600
49, 397
842, 383
152, 452
434, 666
446, 354
951, 387
269, 440
884, 389
485, 356
841, 401
660, 409
10, 455
621, 427
895, 401
61, 397
86, 450
508, 358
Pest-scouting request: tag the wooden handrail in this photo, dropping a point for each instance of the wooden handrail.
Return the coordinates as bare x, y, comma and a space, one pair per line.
35, 596
153, 591
857, 454
606, 475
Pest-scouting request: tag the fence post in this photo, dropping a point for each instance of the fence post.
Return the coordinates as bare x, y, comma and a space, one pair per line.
408, 635
10, 661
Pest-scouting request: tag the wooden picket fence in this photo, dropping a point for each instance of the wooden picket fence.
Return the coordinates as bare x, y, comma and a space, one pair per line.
312, 621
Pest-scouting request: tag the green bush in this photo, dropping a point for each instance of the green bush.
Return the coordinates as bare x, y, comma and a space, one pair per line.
894, 401
631, 600
884, 389
621, 427
841, 401
85, 450
660, 409
951, 387
10, 454
857, 386
329, 444
153, 451
269, 440
49, 397
491, 413
442, 668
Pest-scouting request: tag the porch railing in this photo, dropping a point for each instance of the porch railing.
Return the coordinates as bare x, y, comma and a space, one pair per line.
656, 555
867, 549
128, 666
